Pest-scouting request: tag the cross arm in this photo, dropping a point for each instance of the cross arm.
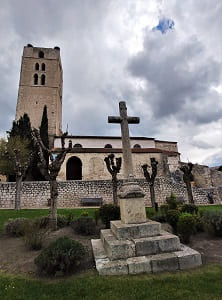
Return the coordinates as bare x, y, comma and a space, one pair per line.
113, 119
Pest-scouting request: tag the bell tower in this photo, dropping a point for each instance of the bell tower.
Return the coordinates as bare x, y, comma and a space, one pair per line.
41, 84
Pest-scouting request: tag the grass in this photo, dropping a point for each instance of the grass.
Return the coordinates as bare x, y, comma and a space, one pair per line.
6, 214
203, 283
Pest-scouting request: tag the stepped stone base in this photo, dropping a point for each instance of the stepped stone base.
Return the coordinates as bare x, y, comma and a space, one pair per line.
141, 248
178, 260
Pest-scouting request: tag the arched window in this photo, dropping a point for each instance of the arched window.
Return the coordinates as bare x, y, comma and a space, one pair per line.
108, 146
36, 66
43, 79
137, 146
43, 67
35, 79
41, 54
77, 146
70, 144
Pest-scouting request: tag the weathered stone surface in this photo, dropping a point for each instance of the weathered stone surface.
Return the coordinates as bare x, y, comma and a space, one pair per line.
116, 249
135, 231
98, 249
132, 210
164, 262
169, 243
139, 265
188, 258
157, 244
146, 246
107, 267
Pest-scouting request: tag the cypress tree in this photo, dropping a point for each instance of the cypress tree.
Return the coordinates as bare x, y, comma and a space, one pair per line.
44, 128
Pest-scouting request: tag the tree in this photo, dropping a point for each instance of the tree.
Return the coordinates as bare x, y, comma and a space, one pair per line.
187, 178
50, 171
15, 157
43, 130
151, 179
21, 128
113, 170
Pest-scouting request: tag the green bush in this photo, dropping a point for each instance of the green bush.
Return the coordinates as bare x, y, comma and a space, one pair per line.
70, 217
164, 208
84, 225
62, 221
199, 224
159, 218
34, 235
189, 208
186, 227
60, 257
15, 227
172, 201
109, 212
213, 222
42, 222
172, 217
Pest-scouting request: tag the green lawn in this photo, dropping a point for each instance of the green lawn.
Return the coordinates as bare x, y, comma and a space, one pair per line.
203, 283
6, 214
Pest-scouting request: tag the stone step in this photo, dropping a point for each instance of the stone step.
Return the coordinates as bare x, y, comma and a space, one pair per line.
166, 242
116, 249
135, 231
184, 259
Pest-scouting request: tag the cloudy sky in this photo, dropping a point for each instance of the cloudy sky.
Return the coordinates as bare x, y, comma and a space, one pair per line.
164, 58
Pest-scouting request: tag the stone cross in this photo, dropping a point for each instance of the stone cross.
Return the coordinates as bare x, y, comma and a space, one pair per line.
124, 120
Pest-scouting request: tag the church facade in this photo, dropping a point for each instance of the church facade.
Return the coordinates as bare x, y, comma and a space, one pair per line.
41, 84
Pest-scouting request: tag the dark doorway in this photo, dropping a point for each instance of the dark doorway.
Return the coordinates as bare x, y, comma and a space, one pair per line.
74, 169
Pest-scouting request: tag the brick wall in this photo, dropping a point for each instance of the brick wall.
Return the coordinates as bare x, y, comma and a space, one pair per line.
36, 194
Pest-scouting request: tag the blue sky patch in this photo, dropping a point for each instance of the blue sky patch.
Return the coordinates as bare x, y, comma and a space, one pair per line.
164, 25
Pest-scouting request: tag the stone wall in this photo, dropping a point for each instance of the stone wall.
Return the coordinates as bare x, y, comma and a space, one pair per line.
36, 194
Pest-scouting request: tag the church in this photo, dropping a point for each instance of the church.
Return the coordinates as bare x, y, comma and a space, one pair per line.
41, 82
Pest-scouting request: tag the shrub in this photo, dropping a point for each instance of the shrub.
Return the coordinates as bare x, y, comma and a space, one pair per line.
213, 222
34, 235
69, 218
159, 218
84, 225
164, 208
84, 214
109, 212
186, 227
172, 201
199, 224
189, 208
172, 217
16, 227
42, 222
60, 257
62, 221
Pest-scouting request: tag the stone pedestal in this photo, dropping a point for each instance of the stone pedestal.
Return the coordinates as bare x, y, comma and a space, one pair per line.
132, 207
136, 245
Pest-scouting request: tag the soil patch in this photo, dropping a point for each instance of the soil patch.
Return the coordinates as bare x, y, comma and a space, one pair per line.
16, 259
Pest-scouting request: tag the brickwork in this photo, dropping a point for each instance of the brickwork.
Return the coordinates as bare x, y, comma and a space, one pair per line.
36, 194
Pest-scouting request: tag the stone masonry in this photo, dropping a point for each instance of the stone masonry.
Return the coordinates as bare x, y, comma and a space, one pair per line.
36, 194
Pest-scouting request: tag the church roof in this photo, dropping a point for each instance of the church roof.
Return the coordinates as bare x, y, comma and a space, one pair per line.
119, 150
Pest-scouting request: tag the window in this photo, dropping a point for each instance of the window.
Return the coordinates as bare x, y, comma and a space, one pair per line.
108, 146
70, 144
41, 54
43, 79
36, 79
77, 146
137, 146
43, 67
36, 66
